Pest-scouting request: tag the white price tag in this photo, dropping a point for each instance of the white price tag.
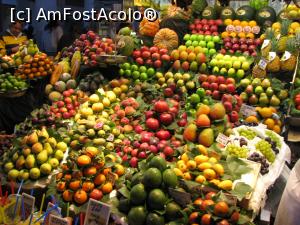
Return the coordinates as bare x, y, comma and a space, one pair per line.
263, 64
222, 139
265, 44
286, 56
55, 220
247, 110
278, 36
97, 213
110, 138
56, 212
27, 208
272, 56
263, 126
99, 125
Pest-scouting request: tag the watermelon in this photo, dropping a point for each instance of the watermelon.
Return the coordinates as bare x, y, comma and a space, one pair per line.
265, 15
227, 13
245, 12
209, 13
282, 15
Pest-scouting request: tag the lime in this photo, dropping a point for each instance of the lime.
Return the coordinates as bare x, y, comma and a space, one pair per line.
128, 73
121, 72
143, 69
152, 178
143, 77
158, 162
200, 92
135, 75
126, 66
138, 194
156, 199
134, 67
172, 211
170, 178
137, 215
156, 219
151, 72
195, 98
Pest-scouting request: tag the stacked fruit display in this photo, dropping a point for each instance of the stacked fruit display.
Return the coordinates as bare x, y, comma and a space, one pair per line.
292, 12
216, 86
149, 193
189, 58
206, 27
38, 156
207, 117
262, 92
232, 105
207, 43
9, 82
120, 87
241, 29
230, 66
152, 57
136, 72
246, 46
88, 176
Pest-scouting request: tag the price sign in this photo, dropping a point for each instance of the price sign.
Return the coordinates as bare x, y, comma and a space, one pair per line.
272, 56
99, 125
110, 138
247, 110
182, 198
265, 44
28, 202
56, 212
97, 213
263, 64
222, 139
286, 56
55, 220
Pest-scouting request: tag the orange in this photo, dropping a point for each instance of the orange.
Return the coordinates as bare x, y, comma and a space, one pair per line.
200, 179
233, 34
236, 23
187, 176
107, 188
242, 35
88, 186
68, 177
277, 129
251, 119
80, 196
225, 34
99, 179
106, 171
270, 123
74, 185
250, 35
90, 171
221, 209
83, 160
209, 174
61, 186
228, 22
244, 23
68, 195
119, 169
252, 23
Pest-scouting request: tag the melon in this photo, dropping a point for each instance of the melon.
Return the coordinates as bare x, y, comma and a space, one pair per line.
209, 13
227, 13
60, 86
65, 77
265, 15
71, 84
282, 15
245, 12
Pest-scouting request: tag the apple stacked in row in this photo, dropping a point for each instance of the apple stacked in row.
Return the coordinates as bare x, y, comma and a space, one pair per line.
152, 56
232, 105
260, 92
231, 66
204, 26
246, 46
216, 86
136, 72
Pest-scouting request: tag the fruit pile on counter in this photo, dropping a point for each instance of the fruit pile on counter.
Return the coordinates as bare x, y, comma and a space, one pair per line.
187, 132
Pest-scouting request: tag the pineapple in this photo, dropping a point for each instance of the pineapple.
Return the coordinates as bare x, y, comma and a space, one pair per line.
269, 35
292, 46
273, 64
284, 30
258, 72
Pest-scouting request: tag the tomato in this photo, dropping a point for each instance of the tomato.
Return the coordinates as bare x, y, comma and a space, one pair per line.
161, 106
152, 123
80, 196
206, 203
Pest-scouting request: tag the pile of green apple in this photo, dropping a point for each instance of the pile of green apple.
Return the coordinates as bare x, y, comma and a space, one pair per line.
261, 92
136, 72
231, 66
206, 42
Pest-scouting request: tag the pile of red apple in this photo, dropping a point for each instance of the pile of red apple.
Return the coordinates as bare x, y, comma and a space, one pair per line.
204, 26
247, 46
216, 86
232, 104
152, 56
297, 101
67, 107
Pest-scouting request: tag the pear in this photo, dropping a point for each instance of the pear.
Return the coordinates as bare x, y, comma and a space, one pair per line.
20, 162
206, 137
274, 101
32, 139
53, 162
48, 148
263, 100
46, 168
15, 157
13, 174
8, 166
37, 148
52, 142
35, 173
42, 157
43, 133
26, 151
266, 83
283, 94
59, 155
190, 132
30, 161
62, 146
23, 175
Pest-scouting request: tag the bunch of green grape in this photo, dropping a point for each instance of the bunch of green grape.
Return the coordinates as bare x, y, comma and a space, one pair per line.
247, 133
266, 149
241, 152
274, 138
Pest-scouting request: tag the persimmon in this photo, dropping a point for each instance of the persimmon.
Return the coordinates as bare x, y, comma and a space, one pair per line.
83, 160
77, 174
74, 185
68, 195
206, 219
107, 188
198, 202
206, 203
96, 194
68, 177
193, 217
106, 171
41, 69
221, 208
80, 196
99, 179
90, 171
88, 186
59, 176
61, 186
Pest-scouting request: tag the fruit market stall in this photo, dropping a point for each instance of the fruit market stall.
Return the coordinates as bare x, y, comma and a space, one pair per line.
189, 130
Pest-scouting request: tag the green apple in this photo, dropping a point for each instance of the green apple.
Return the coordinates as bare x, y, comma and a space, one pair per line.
245, 82
205, 51
234, 58
223, 71
216, 39
213, 62
220, 63
212, 51
236, 64
200, 37
242, 59
246, 65
240, 74
202, 44
227, 57
210, 44
208, 38
187, 37
193, 37
215, 70
231, 72
219, 56
195, 43
258, 90
228, 64
188, 43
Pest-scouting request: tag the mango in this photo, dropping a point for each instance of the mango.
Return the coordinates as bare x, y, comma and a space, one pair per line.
190, 133
206, 137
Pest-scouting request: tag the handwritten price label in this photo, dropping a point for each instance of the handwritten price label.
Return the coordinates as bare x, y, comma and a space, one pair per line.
222, 139
55, 220
265, 44
272, 56
286, 56
263, 64
99, 125
110, 138
56, 212
247, 110
97, 213
28, 202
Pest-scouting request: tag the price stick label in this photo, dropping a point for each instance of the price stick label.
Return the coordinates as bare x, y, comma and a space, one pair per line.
222, 139
272, 56
56, 212
110, 138
97, 213
55, 220
182, 198
263, 64
99, 125
28, 202
247, 110
111, 178
286, 56
265, 44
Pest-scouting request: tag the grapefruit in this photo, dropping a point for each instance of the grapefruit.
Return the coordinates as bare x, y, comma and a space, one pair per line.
137, 216
156, 199
170, 178
152, 178
138, 194
158, 162
154, 218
